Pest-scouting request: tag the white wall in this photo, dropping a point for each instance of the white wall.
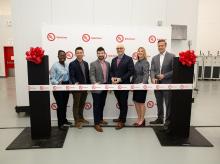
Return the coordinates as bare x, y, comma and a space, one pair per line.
5, 31
28, 16
209, 26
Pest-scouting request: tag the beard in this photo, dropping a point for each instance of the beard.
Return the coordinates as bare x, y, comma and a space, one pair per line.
101, 57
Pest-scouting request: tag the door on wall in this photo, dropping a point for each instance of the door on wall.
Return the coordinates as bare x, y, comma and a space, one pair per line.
9, 61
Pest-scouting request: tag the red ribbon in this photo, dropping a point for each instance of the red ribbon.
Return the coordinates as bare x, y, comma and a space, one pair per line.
187, 58
35, 55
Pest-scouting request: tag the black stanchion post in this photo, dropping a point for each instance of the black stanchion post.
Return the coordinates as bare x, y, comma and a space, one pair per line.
181, 103
179, 132
38, 74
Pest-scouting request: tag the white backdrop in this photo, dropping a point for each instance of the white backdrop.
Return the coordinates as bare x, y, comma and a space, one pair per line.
90, 38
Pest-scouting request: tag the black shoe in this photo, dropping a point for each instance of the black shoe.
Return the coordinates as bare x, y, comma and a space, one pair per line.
157, 121
68, 123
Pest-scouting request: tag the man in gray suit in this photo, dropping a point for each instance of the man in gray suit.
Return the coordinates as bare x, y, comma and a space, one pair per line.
99, 74
161, 73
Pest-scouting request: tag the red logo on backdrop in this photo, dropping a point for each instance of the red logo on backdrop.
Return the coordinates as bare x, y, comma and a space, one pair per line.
53, 106
86, 37
150, 104
69, 55
152, 39
88, 106
51, 36
120, 38
134, 56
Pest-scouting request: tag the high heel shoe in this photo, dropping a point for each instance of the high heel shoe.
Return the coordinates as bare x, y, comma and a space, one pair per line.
141, 124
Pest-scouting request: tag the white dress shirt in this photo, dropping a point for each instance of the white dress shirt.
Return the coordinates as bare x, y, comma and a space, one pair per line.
162, 56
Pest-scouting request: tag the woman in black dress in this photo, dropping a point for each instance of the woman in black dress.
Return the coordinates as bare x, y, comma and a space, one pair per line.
141, 76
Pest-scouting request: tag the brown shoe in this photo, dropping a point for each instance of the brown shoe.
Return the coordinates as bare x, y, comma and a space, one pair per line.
79, 125
120, 125
116, 120
84, 121
98, 128
103, 122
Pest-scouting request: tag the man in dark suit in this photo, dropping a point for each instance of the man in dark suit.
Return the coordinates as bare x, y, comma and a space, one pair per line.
99, 74
122, 68
161, 73
79, 74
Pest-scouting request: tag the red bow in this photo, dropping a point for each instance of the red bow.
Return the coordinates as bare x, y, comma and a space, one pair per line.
187, 58
35, 55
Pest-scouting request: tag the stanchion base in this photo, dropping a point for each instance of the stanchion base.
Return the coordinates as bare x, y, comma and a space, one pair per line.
24, 140
195, 139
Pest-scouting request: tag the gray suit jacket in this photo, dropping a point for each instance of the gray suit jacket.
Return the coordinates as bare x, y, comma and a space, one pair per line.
141, 72
167, 67
96, 75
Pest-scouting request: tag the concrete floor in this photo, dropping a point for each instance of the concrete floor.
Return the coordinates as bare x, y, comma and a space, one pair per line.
129, 145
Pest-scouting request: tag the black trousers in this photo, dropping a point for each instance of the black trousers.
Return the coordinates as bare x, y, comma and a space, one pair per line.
61, 98
162, 95
98, 106
122, 98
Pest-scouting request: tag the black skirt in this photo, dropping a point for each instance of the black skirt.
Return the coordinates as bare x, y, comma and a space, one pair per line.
139, 96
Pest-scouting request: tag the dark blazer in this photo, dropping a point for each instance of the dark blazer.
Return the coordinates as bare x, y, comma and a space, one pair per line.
167, 67
124, 70
76, 74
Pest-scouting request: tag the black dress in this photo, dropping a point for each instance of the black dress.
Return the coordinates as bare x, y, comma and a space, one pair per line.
141, 75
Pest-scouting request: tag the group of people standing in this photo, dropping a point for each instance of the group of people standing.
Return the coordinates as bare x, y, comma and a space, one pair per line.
122, 70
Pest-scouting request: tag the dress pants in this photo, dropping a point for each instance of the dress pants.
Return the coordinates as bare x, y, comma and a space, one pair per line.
98, 106
122, 98
79, 98
61, 98
162, 95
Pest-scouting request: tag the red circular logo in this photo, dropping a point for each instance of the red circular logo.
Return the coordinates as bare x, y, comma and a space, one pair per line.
152, 39
88, 106
86, 37
53, 106
120, 38
51, 36
134, 56
150, 104
69, 55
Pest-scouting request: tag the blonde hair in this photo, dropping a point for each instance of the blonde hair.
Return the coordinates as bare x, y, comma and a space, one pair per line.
145, 53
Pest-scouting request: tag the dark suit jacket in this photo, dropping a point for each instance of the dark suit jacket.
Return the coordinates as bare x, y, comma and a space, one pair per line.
124, 70
76, 74
167, 67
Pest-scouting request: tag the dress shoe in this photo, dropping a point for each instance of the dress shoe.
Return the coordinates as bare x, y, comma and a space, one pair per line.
116, 120
141, 124
98, 128
79, 125
135, 124
120, 125
84, 121
157, 121
68, 123
103, 122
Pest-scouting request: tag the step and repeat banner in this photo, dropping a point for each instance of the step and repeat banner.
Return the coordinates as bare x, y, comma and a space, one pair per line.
68, 37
